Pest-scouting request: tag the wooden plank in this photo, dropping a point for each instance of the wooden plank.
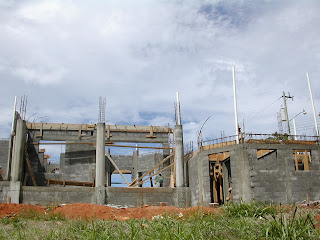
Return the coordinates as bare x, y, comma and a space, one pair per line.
116, 167
151, 133
221, 190
306, 161
123, 171
219, 145
139, 179
215, 192
263, 152
219, 156
25, 179
152, 175
69, 183
29, 165
172, 174
108, 132
296, 161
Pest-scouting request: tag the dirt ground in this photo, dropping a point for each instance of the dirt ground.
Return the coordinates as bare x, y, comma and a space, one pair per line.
92, 211
86, 210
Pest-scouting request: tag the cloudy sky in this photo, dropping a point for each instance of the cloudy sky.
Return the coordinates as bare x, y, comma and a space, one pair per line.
65, 54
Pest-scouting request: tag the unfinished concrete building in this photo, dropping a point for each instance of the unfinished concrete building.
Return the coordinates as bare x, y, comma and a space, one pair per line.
258, 168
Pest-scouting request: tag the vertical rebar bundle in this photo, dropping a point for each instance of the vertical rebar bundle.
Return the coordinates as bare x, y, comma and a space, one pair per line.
23, 107
102, 110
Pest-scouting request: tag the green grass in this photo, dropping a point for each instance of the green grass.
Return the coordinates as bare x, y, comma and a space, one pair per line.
238, 221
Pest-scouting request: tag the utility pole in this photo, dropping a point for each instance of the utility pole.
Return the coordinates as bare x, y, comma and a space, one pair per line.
286, 109
313, 108
235, 104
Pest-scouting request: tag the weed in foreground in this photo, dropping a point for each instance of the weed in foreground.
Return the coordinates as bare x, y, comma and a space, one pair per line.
253, 209
297, 226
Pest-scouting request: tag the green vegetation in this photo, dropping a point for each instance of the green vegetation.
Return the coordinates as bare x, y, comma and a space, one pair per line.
238, 221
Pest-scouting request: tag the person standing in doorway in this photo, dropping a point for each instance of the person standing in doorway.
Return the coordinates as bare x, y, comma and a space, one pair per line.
159, 179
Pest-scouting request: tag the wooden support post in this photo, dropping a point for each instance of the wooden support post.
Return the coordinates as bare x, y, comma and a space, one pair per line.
172, 174
221, 189
116, 167
215, 192
151, 133
29, 165
306, 161
25, 179
41, 131
108, 132
139, 179
80, 131
296, 160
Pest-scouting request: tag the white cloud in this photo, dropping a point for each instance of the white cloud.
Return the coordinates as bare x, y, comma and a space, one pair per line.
65, 54
48, 75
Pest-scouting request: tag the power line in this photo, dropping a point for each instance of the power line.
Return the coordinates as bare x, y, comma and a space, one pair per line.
263, 110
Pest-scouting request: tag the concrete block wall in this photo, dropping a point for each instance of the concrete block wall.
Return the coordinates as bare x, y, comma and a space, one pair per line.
307, 182
271, 178
4, 148
78, 163
4, 191
194, 180
240, 170
134, 197
147, 161
57, 195
122, 161
130, 197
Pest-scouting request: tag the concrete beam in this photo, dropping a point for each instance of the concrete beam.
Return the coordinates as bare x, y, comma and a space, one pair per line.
92, 127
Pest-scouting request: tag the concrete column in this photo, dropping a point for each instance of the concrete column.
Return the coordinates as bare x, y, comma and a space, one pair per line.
18, 151
178, 137
17, 161
135, 157
239, 159
100, 164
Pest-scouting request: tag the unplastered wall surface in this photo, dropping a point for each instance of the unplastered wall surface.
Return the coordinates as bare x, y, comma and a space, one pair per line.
4, 189
134, 197
123, 161
57, 195
199, 180
4, 148
148, 161
273, 177
307, 182
194, 181
240, 159
79, 162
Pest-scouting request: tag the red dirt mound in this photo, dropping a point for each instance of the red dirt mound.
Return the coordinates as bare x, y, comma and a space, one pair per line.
92, 211
9, 210
84, 210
